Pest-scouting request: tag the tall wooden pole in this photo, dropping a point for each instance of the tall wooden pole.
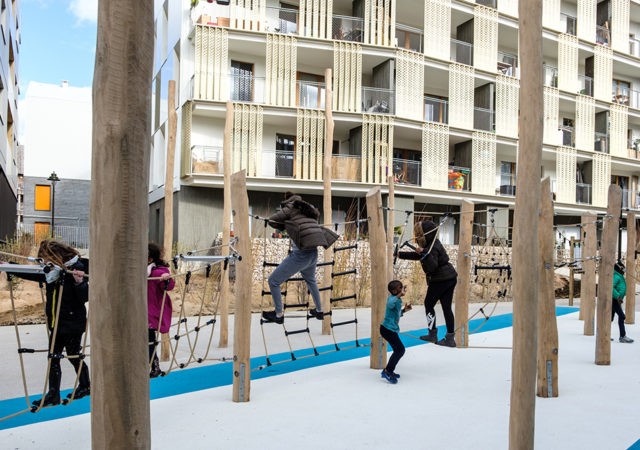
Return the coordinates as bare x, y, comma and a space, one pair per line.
172, 125
377, 239
547, 325
225, 292
525, 241
605, 276
242, 316
326, 199
572, 253
588, 280
461, 293
119, 226
630, 304
391, 217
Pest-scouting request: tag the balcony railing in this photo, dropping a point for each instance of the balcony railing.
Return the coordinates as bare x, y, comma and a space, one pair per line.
507, 183
569, 23
603, 35
601, 142
550, 74
246, 88
378, 100
586, 85
282, 20
436, 110
483, 119
347, 28
634, 47
284, 163
508, 64
408, 37
406, 171
568, 136
459, 178
206, 160
583, 193
627, 199
346, 168
462, 52
489, 3
311, 94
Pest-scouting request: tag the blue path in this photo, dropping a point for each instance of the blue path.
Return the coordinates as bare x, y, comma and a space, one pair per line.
207, 377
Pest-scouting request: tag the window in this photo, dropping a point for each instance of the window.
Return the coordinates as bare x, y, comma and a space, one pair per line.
311, 90
42, 201
241, 81
285, 151
620, 91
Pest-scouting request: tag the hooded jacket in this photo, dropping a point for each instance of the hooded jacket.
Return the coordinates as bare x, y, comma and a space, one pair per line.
300, 220
434, 259
155, 295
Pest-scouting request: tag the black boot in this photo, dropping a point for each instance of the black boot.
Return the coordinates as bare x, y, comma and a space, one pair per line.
51, 399
79, 392
155, 368
431, 337
449, 340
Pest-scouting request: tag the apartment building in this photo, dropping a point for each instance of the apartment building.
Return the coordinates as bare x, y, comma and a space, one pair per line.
10, 161
424, 90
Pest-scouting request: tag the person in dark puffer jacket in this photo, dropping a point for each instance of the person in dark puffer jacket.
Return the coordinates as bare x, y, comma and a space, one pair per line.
441, 280
300, 220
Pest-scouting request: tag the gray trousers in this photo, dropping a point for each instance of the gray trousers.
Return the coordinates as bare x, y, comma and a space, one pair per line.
303, 261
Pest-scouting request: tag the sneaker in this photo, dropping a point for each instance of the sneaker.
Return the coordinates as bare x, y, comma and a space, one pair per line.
388, 376
625, 340
79, 393
397, 375
448, 340
317, 314
51, 399
270, 316
431, 337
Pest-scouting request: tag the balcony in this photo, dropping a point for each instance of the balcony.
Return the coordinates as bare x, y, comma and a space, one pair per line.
282, 20
246, 88
585, 85
568, 23
550, 75
284, 163
206, 160
602, 35
378, 100
346, 168
583, 193
347, 28
601, 142
310, 94
483, 119
508, 64
507, 183
408, 38
436, 110
568, 136
406, 171
459, 178
462, 52
634, 47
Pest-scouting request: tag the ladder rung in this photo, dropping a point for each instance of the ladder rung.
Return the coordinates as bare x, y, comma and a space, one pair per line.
345, 297
346, 272
347, 247
296, 279
326, 288
283, 293
288, 333
297, 305
337, 324
326, 263
270, 264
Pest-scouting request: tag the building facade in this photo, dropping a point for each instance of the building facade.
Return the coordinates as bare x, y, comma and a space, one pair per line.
425, 91
9, 155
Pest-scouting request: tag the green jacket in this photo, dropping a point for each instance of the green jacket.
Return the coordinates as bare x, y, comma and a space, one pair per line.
619, 285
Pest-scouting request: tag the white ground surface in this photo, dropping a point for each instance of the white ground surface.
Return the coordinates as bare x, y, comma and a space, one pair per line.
446, 398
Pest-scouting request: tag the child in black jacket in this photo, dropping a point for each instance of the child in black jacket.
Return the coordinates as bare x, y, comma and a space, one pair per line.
441, 280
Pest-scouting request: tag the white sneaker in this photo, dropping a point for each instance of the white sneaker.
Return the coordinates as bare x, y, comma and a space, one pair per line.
625, 340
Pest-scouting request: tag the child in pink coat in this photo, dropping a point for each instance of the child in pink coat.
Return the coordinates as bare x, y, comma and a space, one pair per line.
159, 302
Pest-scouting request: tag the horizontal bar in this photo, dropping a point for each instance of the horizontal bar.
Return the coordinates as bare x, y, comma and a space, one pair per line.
288, 333
346, 272
326, 288
347, 247
22, 268
337, 324
297, 305
270, 264
207, 258
327, 263
345, 297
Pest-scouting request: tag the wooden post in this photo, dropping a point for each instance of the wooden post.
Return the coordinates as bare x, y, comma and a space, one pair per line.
630, 304
172, 125
572, 253
225, 291
242, 316
547, 324
391, 217
525, 240
588, 279
463, 266
605, 276
326, 199
378, 356
119, 225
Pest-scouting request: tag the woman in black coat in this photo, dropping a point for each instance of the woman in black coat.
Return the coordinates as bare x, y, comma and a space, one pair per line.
441, 280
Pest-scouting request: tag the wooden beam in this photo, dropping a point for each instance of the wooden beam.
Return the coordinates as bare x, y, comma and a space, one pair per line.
463, 266
391, 217
547, 324
605, 276
242, 317
525, 236
326, 199
630, 304
119, 225
377, 238
572, 254
588, 279
225, 291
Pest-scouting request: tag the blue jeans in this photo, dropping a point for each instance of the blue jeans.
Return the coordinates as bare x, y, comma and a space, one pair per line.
303, 261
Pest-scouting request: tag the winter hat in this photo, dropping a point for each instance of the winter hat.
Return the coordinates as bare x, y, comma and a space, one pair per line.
619, 267
427, 226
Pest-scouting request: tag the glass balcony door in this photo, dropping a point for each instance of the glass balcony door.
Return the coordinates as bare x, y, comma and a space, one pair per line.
241, 81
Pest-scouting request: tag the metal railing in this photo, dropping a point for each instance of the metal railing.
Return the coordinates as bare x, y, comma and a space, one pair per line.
282, 20
585, 85
569, 23
483, 119
408, 37
489, 3
634, 47
583, 193
507, 63
568, 136
347, 28
462, 52
406, 171
603, 35
601, 142
436, 110
634, 99
284, 163
378, 100
550, 75
507, 183
311, 94
75, 236
346, 167
246, 88
627, 198
459, 178
206, 160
